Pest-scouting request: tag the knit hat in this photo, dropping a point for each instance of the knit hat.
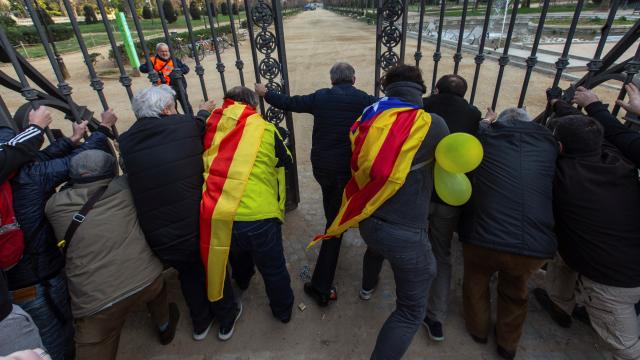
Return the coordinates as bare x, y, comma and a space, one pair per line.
92, 165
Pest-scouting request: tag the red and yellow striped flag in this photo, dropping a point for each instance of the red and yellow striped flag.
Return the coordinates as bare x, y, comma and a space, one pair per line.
231, 142
384, 141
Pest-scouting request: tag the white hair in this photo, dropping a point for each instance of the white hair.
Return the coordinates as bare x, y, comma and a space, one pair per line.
514, 113
151, 101
159, 45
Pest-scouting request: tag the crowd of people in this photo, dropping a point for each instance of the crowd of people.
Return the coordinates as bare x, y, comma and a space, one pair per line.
81, 245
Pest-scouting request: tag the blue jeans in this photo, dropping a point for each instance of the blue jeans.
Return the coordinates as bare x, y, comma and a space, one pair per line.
56, 334
259, 244
409, 253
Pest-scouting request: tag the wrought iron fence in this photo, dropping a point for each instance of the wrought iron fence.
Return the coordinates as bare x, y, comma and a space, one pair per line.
261, 15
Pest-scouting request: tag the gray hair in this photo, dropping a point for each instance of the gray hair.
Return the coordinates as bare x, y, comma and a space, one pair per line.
159, 45
151, 101
342, 73
514, 113
242, 94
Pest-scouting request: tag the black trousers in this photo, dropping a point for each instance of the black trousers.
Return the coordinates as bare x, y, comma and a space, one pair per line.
194, 289
332, 184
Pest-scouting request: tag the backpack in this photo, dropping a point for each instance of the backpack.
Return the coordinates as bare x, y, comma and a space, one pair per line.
11, 236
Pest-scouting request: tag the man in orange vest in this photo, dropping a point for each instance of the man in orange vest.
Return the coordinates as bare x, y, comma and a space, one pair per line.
163, 64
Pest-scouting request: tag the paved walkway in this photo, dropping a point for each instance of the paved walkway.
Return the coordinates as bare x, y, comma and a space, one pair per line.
347, 329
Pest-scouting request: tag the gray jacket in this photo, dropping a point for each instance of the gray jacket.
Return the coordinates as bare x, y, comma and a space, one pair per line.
410, 205
108, 258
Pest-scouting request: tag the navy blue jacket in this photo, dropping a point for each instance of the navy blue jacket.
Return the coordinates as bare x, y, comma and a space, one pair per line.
334, 111
511, 208
32, 187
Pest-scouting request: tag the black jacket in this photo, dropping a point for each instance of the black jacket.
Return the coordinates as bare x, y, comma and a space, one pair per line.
459, 115
625, 139
163, 159
596, 204
334, 111
32, 187
511, 203
17, 150
5, 304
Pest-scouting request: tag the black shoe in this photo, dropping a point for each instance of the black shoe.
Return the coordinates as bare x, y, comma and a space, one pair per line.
287, 317
320, 298
166, 336
580, 313
478, 339
505, 354
434, 329
560, 317
226, 331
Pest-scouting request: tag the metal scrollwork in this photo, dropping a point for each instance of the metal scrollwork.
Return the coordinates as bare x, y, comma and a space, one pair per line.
392, 10
388, 60
266, 43
391, 36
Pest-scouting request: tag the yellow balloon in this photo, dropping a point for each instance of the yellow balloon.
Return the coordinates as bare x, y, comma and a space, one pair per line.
453, 188
459, 153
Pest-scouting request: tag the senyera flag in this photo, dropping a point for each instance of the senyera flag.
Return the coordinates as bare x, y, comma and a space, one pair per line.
384, 141
232, 139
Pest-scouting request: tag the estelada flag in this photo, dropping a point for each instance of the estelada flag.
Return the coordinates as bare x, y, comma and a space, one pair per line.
231, 142
384, 141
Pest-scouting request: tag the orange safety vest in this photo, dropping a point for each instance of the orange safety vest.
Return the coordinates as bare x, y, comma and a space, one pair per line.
163, 66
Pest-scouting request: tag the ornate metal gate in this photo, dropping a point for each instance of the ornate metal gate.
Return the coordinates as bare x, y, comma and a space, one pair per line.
266, 35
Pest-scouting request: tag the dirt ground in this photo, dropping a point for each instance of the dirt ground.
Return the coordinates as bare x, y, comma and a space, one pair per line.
347, 329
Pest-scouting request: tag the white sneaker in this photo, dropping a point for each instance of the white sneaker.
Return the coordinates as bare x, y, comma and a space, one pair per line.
366, 294
202, 335
225, 334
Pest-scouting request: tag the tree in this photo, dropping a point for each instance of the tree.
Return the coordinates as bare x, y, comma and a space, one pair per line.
146, 12
169, 11
194, 10
234, 8
223, 8
89, 14
44, 17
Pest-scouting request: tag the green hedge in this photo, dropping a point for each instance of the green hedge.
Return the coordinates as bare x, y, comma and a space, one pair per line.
29, 34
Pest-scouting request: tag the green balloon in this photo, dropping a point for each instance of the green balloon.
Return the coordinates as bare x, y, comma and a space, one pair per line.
459, 153
453, 188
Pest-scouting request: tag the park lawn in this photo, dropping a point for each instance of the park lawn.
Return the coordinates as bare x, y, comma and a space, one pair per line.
70, 45
155, 24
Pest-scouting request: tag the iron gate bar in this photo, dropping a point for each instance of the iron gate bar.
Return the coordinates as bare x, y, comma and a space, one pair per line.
378, 62
125, 80
437, 55
5, 116
219, 64
532, 60
254, 52
284, 75
479, 58
457, 57
95, 82
504, 59
405, 15
234, 35
595, 64
631, 68
25, 89
153, 76
418, 55
198, 68
178, 77
65, 89
563, 61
